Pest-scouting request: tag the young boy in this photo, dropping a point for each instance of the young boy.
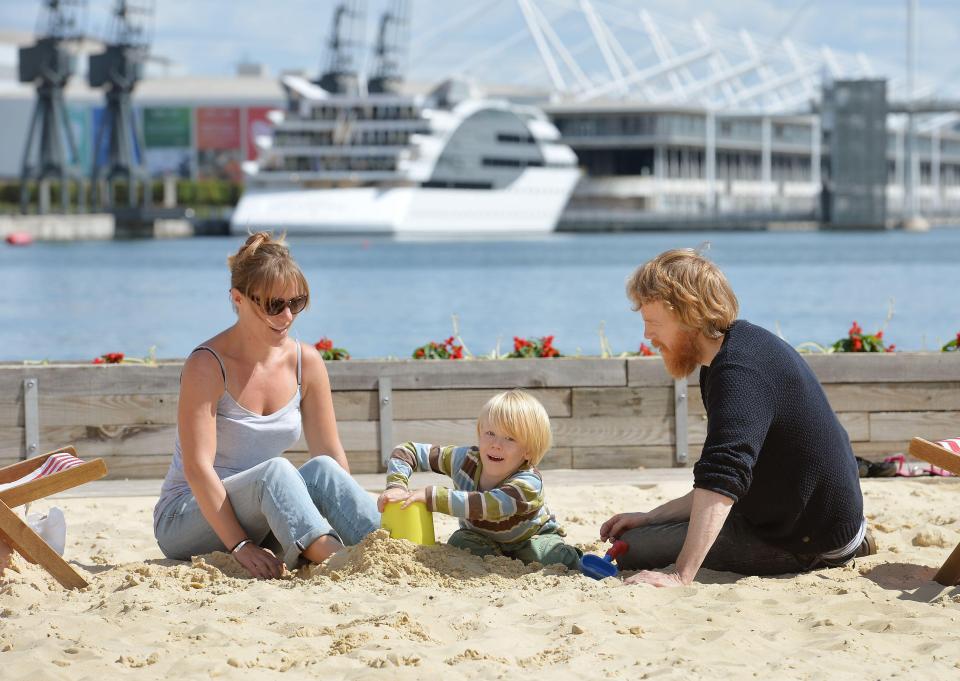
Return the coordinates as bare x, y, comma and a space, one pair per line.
498, 492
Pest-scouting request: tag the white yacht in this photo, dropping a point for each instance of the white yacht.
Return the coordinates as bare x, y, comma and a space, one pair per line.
381, 162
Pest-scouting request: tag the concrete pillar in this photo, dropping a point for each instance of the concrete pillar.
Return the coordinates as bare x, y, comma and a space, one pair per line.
935, 167
169, 191
710, 156
765, 160
899, 172
43, 197
815, 138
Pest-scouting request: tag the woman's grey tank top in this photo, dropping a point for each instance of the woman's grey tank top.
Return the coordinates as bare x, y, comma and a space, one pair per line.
244, 439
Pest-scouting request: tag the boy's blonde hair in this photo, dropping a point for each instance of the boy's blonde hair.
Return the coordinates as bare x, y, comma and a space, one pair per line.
521, 416
692, 286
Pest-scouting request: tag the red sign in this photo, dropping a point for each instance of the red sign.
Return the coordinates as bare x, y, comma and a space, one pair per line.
218, 128
257, 124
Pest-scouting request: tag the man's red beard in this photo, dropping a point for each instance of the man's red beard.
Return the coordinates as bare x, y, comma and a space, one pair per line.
683, 357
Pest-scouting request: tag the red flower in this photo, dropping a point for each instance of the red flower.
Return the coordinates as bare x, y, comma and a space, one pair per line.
324, 344
891, 348
879, 334
418, 353
644, 350
98, 360
857, 345
855, 329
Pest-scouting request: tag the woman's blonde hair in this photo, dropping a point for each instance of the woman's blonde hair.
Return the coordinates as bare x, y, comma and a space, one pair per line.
263, 268
521, 416
691, 286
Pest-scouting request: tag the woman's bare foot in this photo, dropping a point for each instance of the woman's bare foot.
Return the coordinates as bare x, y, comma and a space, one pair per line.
322, 548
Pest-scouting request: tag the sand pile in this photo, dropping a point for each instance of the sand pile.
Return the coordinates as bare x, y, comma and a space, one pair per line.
378, 559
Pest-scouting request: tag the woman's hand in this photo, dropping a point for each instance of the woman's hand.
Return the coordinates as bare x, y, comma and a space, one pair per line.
260, 563
620, 523
390, 495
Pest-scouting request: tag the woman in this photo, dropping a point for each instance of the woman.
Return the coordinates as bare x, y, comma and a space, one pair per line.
228, 488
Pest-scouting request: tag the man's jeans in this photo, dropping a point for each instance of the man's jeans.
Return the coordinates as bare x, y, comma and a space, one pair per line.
296, 506
737, 549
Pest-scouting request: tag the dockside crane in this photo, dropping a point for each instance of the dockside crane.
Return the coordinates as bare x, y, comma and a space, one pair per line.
118, 69
390, 50
49, 64
339, 73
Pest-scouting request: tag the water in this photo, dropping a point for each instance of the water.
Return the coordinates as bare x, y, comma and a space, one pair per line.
382, 297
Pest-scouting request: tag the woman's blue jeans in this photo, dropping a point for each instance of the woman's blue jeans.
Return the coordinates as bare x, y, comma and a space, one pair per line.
296, 506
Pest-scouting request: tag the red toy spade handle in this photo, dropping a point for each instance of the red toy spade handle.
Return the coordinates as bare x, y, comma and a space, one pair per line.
619, 547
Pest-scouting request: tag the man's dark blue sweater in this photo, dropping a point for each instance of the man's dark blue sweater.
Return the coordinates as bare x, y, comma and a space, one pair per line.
775, 446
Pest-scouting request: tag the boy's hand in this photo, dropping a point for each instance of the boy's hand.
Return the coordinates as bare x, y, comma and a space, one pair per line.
419, 495
392, 494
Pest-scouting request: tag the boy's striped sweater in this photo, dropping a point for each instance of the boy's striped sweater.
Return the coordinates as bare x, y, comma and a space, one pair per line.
511, 512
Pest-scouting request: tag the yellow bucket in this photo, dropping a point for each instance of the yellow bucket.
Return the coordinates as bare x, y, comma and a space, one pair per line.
414, 522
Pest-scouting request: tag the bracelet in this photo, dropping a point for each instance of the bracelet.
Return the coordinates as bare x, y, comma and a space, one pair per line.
240, 545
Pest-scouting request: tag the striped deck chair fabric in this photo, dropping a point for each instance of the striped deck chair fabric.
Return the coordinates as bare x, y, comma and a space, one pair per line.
61, 461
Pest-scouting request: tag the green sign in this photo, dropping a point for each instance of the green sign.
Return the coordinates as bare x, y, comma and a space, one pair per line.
79, 120
165, 127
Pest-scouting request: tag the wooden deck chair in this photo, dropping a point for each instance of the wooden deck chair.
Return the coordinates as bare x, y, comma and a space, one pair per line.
946, 455
33, 479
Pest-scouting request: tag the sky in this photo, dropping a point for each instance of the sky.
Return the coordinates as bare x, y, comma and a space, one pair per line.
209, 37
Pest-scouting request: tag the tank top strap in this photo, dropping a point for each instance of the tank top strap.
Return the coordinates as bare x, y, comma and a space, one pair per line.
219, 361
299, 366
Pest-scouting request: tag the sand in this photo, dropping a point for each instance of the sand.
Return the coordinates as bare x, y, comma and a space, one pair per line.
390, 610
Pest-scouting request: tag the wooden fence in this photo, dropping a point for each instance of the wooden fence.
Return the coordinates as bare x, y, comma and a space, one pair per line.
606, 413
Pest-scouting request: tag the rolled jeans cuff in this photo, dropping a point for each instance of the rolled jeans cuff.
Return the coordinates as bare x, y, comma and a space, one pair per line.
292, 555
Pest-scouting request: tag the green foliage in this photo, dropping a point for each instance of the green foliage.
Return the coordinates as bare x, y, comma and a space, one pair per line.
952, 346
858, 341
329, 352
533, 347
448, 349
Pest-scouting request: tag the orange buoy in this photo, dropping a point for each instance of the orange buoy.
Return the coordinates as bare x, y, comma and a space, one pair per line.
19, 238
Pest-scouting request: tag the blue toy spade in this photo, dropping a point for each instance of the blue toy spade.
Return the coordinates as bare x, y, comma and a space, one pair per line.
597, 567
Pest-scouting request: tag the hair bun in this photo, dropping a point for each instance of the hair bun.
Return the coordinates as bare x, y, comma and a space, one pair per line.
251, 246
254, 241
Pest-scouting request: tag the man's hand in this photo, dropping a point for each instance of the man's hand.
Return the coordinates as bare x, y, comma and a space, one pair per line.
389, 495
260, 563
658, 579
419, 495
620, 523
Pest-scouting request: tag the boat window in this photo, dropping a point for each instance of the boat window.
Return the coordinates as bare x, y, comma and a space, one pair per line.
511, 138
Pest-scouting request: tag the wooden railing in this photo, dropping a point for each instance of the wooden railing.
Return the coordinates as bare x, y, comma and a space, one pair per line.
605, 413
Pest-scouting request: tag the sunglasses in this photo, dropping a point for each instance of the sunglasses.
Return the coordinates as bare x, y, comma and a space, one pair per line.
275, 306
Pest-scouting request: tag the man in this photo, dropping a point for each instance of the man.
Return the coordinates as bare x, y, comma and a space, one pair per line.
776, 489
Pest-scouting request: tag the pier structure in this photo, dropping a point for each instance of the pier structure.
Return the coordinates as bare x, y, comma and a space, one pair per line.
50, 151
677, 120
119, 144
674, 121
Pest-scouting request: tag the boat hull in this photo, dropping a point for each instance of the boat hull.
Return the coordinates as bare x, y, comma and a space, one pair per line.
531, 204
